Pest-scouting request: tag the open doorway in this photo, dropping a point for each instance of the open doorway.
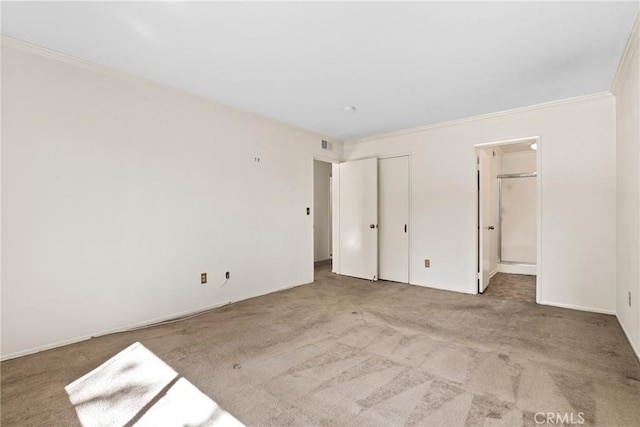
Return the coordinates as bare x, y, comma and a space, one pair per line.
508, 219
322, 216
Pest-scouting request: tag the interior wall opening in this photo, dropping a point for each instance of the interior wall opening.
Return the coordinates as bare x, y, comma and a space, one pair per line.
322, 215
508, 220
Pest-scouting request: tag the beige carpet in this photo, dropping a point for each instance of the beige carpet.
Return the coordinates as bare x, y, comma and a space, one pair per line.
344, 351
513, 287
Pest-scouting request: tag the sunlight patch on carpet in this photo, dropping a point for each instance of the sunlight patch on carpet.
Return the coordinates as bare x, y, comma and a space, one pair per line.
185, 405
135, 386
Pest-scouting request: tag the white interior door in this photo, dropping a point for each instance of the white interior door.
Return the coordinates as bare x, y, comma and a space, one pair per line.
393, 211
358, 216
484, 220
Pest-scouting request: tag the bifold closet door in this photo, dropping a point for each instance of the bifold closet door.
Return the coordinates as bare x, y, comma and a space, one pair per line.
393, 213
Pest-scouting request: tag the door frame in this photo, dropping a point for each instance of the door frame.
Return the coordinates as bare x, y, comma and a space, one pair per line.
538, 140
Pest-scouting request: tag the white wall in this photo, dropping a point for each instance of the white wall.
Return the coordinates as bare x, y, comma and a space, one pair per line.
519, 211
117, 193
626, 89
321, 218
578, 190
518, 162
519, 218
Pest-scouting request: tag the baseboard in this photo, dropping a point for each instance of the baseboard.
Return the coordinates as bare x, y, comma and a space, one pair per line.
137, 325
46, 347
442, 288
578, 307
635, 348
493, 273
529, 270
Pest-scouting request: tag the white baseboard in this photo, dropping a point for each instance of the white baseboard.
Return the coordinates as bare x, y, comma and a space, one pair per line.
136, 325
493, 273
635, 348
473, 291
529, 270
578, 307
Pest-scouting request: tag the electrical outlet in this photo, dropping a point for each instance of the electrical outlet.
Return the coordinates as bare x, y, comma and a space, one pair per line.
629, 298
427, 263
203, 278
227, 275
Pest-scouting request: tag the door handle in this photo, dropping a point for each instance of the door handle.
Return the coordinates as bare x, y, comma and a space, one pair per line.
372, 226
491, 227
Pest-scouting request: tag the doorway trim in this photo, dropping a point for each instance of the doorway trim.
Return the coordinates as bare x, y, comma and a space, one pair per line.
533, 139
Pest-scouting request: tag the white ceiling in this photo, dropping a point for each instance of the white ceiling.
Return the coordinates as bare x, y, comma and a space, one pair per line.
401, 64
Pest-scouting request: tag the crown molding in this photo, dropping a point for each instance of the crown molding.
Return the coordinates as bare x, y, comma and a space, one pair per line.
560, 102
10, 41
627, 54
26, 46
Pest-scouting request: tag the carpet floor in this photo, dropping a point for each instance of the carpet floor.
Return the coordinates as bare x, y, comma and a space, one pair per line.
514, 287
343, 351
